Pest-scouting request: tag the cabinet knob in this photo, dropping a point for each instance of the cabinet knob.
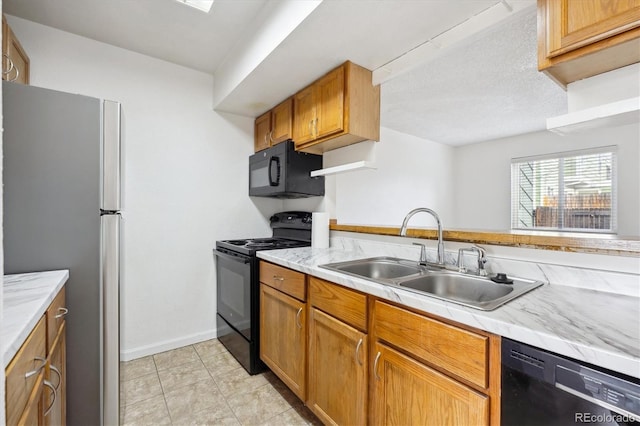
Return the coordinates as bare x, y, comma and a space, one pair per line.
55, 396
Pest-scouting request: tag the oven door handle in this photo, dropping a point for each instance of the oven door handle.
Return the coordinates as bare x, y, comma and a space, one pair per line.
238, 259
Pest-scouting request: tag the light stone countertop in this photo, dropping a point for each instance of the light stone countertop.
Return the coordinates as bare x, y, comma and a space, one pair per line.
593, 326
26, 299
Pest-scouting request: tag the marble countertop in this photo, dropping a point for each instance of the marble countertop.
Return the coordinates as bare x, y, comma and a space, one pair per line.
593, 326
26, 298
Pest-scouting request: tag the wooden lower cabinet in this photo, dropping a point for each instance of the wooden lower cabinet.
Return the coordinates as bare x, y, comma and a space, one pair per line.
57, 377
33, 413
337, 370
283, 337
407, 392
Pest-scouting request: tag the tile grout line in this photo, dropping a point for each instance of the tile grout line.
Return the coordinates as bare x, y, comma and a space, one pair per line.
226, 401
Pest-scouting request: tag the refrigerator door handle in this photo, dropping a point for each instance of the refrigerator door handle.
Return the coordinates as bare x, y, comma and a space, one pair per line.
110, 156
110, 280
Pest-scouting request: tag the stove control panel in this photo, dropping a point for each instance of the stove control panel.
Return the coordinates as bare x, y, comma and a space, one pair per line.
292, 220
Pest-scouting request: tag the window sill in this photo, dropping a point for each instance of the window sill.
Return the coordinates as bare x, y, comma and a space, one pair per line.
560, 241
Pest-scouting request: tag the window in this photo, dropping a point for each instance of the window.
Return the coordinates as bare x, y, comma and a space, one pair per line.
569, 191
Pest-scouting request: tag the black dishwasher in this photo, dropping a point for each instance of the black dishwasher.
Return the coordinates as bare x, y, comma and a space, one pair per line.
542, 388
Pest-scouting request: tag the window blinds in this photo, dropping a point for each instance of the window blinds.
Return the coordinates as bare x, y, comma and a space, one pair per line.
568, 191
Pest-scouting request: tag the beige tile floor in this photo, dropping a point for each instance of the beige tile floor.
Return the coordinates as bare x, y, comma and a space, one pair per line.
203, 384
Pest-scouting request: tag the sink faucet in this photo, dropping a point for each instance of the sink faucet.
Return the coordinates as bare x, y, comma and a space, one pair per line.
403, 229
481, 259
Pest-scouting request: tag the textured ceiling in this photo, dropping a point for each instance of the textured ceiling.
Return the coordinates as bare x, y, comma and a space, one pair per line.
488, 89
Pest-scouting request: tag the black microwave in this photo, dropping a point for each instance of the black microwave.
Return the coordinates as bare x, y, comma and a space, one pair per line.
283, 172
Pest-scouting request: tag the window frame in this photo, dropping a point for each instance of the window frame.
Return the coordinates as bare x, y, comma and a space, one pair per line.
562, 156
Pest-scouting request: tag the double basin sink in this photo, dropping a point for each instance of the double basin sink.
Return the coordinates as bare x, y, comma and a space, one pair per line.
469, 290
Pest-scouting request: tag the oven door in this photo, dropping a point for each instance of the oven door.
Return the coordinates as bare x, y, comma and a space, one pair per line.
233, 272
267, 171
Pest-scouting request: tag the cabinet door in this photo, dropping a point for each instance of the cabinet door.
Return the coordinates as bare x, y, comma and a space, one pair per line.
33, 414
282, 122
262, 131
57, 377
330, 103
283, 337
573, 24
337, 371
304, 115
16, 58
406, 392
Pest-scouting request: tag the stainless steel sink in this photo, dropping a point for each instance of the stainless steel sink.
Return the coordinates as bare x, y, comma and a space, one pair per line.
469, 290
378, 268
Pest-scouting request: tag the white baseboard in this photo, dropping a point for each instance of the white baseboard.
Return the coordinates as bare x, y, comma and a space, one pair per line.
167, 345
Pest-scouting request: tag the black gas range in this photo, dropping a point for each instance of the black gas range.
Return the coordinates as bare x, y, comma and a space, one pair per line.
238, 284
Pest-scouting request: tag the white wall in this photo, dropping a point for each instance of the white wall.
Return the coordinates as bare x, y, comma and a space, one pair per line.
482, 174
185, 180
411, 172
470, 185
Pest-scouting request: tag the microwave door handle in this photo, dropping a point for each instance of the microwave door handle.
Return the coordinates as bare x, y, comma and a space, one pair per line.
275, 160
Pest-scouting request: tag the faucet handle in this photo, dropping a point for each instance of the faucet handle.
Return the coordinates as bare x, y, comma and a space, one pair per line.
423, 253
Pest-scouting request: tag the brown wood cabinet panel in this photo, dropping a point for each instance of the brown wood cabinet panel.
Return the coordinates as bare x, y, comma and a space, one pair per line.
262, 130
339, 109
330, 118
283, 338
579, 39
14, 57
30, 360
347, 305
338, 371
283, 279
460, 352
407, 392
282, 122
57, 376
304, 115
33, 414
55, 317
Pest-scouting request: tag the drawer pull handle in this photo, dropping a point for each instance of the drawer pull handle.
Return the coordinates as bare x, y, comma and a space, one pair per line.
375, 367
62, 313
358, 350
298, 318
55, 370
278, 278
37, 370
55, 396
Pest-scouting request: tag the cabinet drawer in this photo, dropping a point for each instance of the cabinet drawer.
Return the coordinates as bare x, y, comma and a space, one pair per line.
347, 305
18, 386
460, 352
283, 279
55, 317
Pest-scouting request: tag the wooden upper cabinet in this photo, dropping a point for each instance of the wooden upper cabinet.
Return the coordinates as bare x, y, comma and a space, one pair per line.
274, 126
330, 99
262, 128
304, 114
15, 61
580, 39
282, 122
339, 109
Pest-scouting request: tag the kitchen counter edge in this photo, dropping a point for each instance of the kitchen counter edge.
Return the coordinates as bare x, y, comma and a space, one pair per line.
26, 298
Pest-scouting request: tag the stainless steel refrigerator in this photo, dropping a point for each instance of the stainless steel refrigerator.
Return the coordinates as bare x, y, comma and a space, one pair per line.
61, 171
